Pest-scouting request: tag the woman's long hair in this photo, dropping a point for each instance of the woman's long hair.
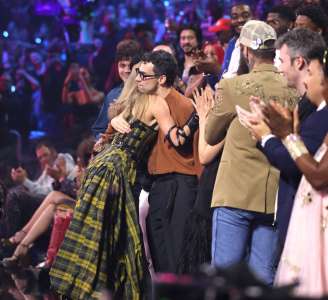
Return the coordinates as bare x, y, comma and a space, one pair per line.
131, 102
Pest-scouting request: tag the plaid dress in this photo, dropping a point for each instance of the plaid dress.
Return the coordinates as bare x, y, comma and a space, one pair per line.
103, 247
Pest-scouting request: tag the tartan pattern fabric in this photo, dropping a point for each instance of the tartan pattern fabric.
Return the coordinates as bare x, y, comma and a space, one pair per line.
103, 247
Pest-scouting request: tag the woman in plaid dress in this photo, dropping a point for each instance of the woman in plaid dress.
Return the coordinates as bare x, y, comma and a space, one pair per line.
103, 246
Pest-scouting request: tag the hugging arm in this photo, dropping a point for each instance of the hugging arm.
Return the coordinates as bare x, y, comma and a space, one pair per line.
177, 136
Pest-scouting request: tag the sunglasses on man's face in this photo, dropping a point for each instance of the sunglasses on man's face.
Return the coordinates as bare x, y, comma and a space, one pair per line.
144, 76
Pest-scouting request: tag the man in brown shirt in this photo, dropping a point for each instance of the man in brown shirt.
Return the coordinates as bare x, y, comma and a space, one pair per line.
174, 188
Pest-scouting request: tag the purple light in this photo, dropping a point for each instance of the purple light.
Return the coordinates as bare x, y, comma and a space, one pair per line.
47, 8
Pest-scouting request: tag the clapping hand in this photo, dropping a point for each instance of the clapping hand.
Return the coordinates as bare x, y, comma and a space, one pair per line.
58, 171
204, 101
281, 120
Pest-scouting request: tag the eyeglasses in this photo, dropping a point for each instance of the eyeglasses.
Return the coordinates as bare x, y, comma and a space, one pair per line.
144, 76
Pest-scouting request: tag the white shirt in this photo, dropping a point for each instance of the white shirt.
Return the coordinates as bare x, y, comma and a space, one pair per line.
234, 62
43, 185
277, 61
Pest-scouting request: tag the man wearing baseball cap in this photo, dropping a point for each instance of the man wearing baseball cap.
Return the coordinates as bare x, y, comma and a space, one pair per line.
246, 184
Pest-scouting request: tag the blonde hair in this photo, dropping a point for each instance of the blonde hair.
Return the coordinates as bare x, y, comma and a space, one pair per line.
131, 102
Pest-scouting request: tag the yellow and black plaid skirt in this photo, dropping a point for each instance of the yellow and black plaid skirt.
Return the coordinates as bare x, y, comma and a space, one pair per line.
102, 248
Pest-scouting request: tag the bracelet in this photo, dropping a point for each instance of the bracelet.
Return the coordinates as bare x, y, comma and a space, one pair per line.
295, 146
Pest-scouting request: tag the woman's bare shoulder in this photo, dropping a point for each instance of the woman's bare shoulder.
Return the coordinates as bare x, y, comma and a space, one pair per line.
158, 102
157, 99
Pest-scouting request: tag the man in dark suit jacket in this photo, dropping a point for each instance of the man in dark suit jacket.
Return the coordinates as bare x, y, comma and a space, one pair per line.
294, 48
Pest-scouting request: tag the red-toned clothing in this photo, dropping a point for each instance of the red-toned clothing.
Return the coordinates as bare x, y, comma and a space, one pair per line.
164, 158
173, 191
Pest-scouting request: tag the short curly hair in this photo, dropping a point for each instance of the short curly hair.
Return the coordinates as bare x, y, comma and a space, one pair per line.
284, 12
315, 14
164, 64
320, 54
128, 50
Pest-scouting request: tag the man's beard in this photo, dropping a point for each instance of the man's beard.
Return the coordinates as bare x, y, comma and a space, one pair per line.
189, 50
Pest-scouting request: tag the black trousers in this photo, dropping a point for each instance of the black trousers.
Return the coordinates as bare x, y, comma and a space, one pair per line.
171, 199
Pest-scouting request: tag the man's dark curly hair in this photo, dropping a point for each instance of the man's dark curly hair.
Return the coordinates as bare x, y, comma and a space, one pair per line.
321, 54
164, 64
285, 12
316, 14
128, 49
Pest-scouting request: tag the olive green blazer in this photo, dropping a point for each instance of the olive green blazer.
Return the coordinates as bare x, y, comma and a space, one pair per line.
245, 178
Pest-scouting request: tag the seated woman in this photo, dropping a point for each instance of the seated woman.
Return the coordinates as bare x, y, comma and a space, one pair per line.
305, 250
103, 245
43, 216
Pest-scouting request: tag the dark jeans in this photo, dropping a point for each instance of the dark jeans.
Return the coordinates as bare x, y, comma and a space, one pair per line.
171, 198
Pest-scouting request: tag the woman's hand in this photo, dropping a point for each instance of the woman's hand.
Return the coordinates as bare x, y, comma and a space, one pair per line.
68, 78
120, 124
100, 144
204, 101
193, 83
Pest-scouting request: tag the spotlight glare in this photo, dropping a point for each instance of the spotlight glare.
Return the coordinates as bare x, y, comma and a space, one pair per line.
38, 40
5, 34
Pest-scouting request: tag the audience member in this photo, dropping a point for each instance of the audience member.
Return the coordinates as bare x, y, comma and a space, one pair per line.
190, 41
240, 14
294, 50
312, 17
38, 224
250, 211
128, 53
295, 150
54, 166
281, 18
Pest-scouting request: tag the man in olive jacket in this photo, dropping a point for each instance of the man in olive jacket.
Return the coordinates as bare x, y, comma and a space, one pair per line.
246, 184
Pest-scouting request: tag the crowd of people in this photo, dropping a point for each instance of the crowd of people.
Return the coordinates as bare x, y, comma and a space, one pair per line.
209, 150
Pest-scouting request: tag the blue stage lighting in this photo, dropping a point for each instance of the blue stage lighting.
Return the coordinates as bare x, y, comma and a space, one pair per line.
5, 34
38, 40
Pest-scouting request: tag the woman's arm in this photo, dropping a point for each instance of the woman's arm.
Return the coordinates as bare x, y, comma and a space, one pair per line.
177, 136
67, 96
315, 172
285, 125
93, 96
32, 80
